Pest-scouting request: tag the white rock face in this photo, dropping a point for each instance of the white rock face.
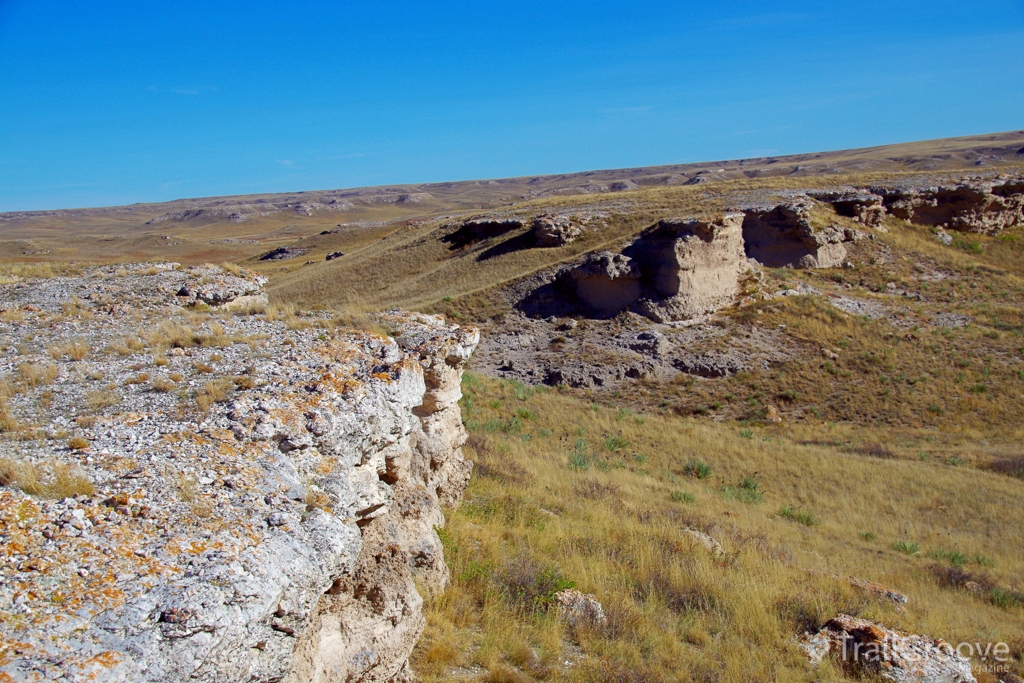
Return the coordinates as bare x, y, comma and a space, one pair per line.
270, 532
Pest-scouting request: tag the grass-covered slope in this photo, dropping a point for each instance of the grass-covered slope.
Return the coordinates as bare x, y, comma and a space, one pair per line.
566, 492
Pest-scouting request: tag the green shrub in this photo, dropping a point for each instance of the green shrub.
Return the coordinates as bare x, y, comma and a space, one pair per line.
796, 515
615, 442
697, 468
748, 491
683, 497
907, 547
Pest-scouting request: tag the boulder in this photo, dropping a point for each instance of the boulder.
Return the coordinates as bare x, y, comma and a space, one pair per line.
705, 540
283, 253
555, 231
879, 591
578, 609
863, 647
783, 236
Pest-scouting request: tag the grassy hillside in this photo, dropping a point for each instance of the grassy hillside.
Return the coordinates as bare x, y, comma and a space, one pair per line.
412, 267
570, 492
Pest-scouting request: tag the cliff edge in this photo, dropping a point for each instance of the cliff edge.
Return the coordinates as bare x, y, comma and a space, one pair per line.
197, 488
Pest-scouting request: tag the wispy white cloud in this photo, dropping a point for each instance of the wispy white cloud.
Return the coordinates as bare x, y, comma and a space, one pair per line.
287, 163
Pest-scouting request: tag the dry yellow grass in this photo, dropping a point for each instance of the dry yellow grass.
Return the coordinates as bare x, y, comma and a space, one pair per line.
411, 267
35, 374
570, 492
163, 385
50, 479
8, 423
74, 350
101, 399
216, 391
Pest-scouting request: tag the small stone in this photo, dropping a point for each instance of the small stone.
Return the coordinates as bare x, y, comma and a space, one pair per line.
578, 609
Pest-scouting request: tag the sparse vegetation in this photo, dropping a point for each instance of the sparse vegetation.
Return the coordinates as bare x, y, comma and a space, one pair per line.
907, 547
216, 391
798, 515
35, 374
697, 468
50, 479
101, 399
78, 443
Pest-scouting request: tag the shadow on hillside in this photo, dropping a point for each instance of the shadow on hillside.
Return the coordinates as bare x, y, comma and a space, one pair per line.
524, 241
552, 299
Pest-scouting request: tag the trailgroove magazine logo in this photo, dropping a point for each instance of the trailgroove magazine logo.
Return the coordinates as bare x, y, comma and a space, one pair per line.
876, 651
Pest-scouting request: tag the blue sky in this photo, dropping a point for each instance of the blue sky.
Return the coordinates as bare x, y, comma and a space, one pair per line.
118, 102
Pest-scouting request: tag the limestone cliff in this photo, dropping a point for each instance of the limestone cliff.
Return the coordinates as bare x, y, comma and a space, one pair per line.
218, 497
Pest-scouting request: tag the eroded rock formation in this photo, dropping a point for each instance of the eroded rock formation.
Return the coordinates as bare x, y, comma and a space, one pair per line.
554, 231
984, 207
863, 207
690, 267
255, 506
676, 270
606, 282
785, 236
479, 229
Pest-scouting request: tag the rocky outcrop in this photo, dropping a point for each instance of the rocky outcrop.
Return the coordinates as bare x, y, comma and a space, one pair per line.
676, 270
879, 591
864, 207
863, 647
478, 229
606, 282
214, 286
784, 236
283, 253
579, 610
555, 231
968, 206
258, 505
690, 267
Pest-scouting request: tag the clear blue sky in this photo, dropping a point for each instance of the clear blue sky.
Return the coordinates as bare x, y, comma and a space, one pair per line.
108, 102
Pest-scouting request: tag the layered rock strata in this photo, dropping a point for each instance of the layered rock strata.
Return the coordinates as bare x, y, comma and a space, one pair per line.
785, 236
676, 270
982, 207
218, 497
691, 267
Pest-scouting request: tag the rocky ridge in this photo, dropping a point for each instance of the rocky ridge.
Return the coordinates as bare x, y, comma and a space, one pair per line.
190, 493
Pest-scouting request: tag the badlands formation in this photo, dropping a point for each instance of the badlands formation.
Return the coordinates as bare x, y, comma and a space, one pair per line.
199, 486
